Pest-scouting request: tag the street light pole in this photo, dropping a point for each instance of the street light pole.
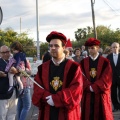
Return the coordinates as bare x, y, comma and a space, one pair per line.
37, 21
93, 18
20, 25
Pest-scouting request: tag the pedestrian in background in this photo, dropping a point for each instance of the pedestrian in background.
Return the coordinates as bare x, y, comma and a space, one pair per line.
18, 61
47, 56
8, 101
24, 102
114, 58
77, 58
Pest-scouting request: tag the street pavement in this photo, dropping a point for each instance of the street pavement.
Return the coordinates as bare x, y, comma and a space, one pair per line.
116, 115
33, 113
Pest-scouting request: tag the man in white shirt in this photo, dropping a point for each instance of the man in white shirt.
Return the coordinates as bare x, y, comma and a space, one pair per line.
8, 101
114, 58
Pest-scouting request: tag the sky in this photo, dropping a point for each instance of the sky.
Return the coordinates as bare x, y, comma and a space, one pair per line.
64, 16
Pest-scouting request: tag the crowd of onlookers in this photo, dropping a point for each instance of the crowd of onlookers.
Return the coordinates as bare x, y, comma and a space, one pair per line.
77, 54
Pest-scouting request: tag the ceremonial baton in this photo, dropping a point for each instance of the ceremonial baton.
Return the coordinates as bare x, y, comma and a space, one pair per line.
84, 76
28, 76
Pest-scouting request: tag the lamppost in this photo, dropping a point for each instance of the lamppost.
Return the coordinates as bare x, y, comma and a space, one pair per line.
93, 17
37, 24
36, 45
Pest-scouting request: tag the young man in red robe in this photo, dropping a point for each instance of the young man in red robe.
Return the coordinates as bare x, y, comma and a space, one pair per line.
97, 73
62, 84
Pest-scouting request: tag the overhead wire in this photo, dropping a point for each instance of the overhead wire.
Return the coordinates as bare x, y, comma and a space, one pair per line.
111, 7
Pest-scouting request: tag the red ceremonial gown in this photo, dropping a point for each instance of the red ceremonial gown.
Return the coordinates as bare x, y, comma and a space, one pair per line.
101, 88
67, 100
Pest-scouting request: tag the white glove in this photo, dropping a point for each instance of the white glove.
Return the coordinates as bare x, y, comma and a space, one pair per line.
50, 100
91, 89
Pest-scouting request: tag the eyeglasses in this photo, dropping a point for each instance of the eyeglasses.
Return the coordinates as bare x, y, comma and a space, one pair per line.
4, 52
115, 47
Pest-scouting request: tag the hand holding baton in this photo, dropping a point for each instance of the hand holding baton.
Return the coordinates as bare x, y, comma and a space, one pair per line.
25, 74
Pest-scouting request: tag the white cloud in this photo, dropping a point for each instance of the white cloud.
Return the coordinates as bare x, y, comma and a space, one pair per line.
62, 15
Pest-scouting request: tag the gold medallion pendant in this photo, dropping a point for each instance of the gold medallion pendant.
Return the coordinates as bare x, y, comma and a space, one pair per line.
93, 72
56, 83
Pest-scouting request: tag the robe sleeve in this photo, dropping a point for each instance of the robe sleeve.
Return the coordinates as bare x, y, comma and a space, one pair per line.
104, 82
39, 94
70, 97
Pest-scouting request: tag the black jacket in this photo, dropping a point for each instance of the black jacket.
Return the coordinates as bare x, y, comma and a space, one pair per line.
4, 82
46, 57
115, 69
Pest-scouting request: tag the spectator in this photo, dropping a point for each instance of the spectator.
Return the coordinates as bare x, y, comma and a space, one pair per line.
34, 58
82, 49
66, 51
47, 56
106, 52
100, 51
114, 58
71, 54
24, 102
77, 58
18, 61
8, 101
85, 54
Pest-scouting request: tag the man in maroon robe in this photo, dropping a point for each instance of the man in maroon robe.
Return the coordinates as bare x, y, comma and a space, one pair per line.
96, 100
62, 84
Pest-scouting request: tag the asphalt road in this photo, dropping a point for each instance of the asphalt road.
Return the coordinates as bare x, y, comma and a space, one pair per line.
33, 113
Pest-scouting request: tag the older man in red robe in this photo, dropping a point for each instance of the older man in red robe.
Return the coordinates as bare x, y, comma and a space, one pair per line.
96, 100
62, 84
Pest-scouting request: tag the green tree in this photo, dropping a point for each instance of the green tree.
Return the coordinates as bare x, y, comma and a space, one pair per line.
83, 33
43, 48
105, 34
8, 36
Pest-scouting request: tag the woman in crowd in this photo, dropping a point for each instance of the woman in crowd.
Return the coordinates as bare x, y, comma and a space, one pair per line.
77, 57
24, 102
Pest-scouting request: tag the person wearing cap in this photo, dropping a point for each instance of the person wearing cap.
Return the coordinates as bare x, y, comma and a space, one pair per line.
97, 75
62, 83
